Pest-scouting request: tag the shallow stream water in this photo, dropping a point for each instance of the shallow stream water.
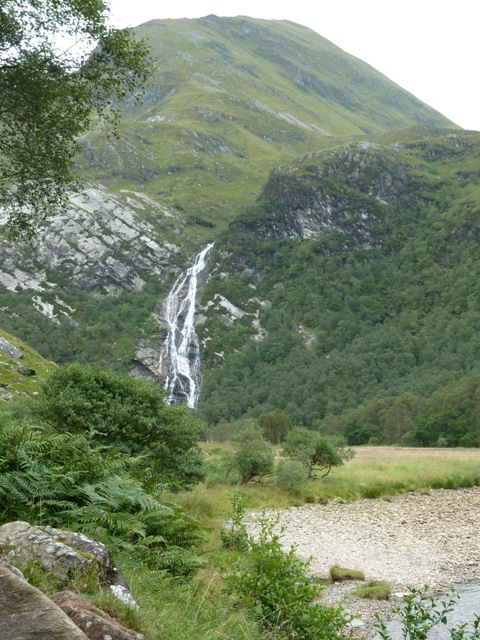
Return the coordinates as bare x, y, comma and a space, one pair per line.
465, 609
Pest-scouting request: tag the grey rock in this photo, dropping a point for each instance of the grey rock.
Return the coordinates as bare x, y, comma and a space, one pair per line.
26, 371
9, 349
14, 570
101, 241
64, 553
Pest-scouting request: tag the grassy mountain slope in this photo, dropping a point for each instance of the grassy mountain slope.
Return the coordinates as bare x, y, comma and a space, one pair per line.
12, 382
360, 264
231, 98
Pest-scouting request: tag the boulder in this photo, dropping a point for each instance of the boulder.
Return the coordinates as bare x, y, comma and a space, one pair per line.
26, 371
96, 624
64, 553
14, 570
28, 614
9, 349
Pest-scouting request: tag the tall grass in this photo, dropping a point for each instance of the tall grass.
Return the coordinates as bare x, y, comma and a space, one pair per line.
197, 609
374, 472
377, 472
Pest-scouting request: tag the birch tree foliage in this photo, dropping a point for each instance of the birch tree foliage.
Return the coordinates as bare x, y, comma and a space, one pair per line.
61, 68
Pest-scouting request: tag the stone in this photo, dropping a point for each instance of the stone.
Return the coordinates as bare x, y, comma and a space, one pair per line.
9, 349
64, 553
26, 371
96, 624
356, 623
14, 570
28, 614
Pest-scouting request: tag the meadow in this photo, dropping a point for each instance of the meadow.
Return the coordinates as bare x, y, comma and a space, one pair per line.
198, 606
374, 472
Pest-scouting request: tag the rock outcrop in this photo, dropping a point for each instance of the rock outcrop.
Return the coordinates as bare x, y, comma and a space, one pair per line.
9, 349
28, 614
63, 553
343, 193
102, 241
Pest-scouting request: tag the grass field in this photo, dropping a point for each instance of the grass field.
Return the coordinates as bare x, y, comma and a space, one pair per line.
374, 472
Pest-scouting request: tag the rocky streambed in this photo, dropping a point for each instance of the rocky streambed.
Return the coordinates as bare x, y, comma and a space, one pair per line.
409, 540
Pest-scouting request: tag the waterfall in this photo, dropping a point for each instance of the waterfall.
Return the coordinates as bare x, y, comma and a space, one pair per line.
180, 353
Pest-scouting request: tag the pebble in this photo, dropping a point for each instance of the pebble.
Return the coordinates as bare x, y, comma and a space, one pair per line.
411, 540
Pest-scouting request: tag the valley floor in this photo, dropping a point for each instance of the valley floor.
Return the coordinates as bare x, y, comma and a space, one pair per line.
409, 540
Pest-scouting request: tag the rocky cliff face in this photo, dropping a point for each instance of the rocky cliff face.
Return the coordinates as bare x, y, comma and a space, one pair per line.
91, 277
102, 242
342, 192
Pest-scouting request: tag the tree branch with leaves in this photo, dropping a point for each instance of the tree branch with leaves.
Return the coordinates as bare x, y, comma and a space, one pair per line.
61, 66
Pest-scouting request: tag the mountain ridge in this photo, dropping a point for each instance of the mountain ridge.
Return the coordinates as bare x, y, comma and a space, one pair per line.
232, 98
231, 145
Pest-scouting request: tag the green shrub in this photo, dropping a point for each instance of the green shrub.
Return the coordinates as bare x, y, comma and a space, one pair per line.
374, 590
338, 573
253, 456
421, 612
128, 415
275, 585
292, 475
234, 534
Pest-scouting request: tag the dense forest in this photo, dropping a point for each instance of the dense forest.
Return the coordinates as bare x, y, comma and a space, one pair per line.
371, 326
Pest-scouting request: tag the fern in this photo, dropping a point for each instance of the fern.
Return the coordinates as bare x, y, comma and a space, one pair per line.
119, 523
66, 481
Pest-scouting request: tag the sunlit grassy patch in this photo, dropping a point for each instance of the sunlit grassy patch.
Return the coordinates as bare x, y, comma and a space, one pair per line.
374, 472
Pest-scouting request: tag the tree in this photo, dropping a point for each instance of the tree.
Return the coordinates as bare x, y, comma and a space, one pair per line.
275, 425
313, 450
253, 455
59, 64
128, 415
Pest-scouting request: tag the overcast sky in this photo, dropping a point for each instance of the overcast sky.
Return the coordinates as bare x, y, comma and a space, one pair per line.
429, 47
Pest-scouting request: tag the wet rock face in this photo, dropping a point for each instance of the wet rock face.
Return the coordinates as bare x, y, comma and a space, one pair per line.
176, 361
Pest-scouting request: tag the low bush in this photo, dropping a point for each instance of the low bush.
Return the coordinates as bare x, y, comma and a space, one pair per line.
292, 475
338, 573
274, 584
374, 590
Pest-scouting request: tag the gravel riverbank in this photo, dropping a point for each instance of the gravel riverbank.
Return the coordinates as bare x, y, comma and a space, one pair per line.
409, 540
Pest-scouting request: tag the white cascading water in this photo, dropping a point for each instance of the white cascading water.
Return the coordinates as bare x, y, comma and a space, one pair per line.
181, 349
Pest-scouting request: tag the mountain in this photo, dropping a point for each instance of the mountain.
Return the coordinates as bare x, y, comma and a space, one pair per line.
354, 284
342, 211
229, 99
